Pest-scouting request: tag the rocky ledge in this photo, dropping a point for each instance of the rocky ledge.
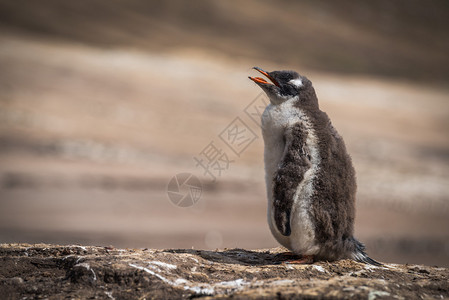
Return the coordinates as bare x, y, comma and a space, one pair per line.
56, 272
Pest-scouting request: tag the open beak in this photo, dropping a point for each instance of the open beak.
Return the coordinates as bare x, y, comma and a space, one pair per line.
261, 80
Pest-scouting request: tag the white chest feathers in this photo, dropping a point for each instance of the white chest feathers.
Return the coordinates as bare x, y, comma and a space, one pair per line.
276, 119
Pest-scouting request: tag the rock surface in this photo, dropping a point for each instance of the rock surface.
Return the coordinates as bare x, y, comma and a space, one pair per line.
56, 272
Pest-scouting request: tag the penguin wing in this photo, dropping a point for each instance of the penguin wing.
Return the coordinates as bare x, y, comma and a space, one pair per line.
294, 163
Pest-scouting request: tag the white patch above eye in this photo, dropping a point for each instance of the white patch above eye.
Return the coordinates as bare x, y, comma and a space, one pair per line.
296, 82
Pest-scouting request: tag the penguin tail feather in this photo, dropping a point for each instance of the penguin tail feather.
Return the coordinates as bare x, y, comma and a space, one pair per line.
360, 255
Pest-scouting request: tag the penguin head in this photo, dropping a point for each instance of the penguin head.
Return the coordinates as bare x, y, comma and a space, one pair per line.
284, 86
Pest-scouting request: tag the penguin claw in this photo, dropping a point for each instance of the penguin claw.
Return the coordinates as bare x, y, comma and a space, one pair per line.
306, 259
292, 258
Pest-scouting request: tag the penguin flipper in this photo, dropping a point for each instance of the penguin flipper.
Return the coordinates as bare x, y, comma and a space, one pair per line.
295, 162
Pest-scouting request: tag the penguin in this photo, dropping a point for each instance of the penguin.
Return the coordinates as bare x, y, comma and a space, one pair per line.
310, 179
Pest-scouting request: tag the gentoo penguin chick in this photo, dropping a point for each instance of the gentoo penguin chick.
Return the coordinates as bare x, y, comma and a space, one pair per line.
309, 175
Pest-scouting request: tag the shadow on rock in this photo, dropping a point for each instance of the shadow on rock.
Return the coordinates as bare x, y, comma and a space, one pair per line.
242, 256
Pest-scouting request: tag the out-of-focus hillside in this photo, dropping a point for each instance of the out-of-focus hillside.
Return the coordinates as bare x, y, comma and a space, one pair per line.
389, 38
102, 102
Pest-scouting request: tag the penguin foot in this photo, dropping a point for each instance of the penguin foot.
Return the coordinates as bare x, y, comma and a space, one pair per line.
306, 259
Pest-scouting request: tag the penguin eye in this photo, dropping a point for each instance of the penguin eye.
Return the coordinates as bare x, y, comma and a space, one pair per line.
289, 90
296, 82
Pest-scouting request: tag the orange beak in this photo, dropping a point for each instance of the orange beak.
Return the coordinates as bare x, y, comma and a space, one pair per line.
261, 80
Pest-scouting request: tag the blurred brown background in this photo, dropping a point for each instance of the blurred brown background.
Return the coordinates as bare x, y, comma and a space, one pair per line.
103, 102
